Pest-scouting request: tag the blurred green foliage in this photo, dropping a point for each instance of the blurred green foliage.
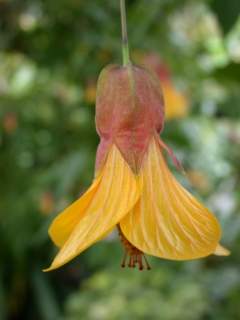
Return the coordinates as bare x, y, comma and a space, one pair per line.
50, 55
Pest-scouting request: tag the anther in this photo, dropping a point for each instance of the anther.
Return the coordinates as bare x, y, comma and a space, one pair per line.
146, 262
136, 257
123, 264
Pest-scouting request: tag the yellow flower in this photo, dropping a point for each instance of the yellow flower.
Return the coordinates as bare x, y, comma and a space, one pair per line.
199, 180
176, 102
90, 92
133, 188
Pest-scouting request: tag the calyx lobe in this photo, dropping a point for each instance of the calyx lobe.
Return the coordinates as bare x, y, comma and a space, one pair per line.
129, 111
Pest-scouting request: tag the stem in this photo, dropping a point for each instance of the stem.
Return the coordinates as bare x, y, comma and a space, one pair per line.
125, 47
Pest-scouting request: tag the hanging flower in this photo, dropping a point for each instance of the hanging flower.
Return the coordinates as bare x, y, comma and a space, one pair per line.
133, 188
176, 102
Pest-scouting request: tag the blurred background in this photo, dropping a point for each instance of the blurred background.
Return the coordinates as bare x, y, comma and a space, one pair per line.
51, 52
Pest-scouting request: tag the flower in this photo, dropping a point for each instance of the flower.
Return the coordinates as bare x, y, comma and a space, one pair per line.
133, 187
199, 180
176, 102
10, 122
90, 92
46, 203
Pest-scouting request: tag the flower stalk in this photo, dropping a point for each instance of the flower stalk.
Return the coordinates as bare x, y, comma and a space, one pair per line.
125, 45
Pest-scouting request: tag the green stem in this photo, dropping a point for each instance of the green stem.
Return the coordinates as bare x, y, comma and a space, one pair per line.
125, 47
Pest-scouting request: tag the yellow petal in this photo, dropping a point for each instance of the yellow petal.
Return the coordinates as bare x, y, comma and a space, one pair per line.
168, 221
221, 251
176, 104
65, 222
115, 195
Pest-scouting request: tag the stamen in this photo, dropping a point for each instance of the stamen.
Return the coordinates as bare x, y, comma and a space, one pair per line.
135, 255
123, 264
130, 262
147, 264
140, 264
